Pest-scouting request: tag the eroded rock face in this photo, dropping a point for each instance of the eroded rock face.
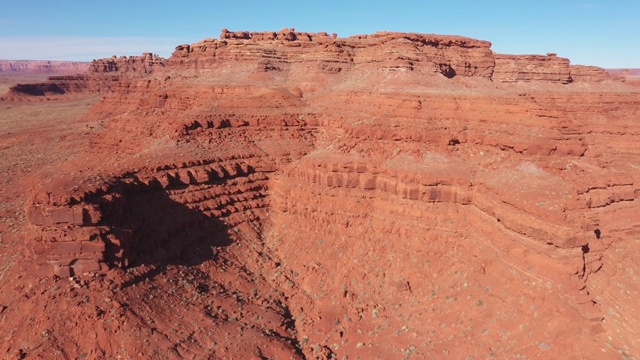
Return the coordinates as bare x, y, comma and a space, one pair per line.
448, 55
514, 68
394, 194
583, 73
144, 64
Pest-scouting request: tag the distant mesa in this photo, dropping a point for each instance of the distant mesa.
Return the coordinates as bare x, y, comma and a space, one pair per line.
42, 67
631, 76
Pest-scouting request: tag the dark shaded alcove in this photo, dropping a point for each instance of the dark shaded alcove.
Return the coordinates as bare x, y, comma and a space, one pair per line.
146, 226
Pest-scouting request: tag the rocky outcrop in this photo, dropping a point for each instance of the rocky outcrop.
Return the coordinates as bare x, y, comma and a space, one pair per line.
55, 86
114, 223
40, 89
287, 50
100, 76
42, 67
284, 34
516, 68
583, 73
146, 63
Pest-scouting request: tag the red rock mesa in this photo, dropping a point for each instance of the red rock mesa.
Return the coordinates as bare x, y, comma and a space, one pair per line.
291, 194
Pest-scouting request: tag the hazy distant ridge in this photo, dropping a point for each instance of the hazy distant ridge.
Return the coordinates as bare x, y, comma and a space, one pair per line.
42, 67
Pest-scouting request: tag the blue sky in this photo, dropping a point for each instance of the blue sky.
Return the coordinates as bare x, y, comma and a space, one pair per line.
591, 32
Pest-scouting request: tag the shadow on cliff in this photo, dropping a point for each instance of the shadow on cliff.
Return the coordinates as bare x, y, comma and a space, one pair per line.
152, 228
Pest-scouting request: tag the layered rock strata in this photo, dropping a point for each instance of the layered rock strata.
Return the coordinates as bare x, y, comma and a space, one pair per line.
412, 187
323, 54
514, 68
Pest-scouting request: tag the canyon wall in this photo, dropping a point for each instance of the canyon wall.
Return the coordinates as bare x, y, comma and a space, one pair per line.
404, 194
514, 68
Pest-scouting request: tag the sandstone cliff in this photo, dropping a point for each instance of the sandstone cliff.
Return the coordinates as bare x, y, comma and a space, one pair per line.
387, 51
381, 195
144, 64
513, 68
583, 73
290, 53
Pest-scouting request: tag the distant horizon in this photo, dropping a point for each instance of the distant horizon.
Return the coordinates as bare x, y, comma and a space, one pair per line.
588, 32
